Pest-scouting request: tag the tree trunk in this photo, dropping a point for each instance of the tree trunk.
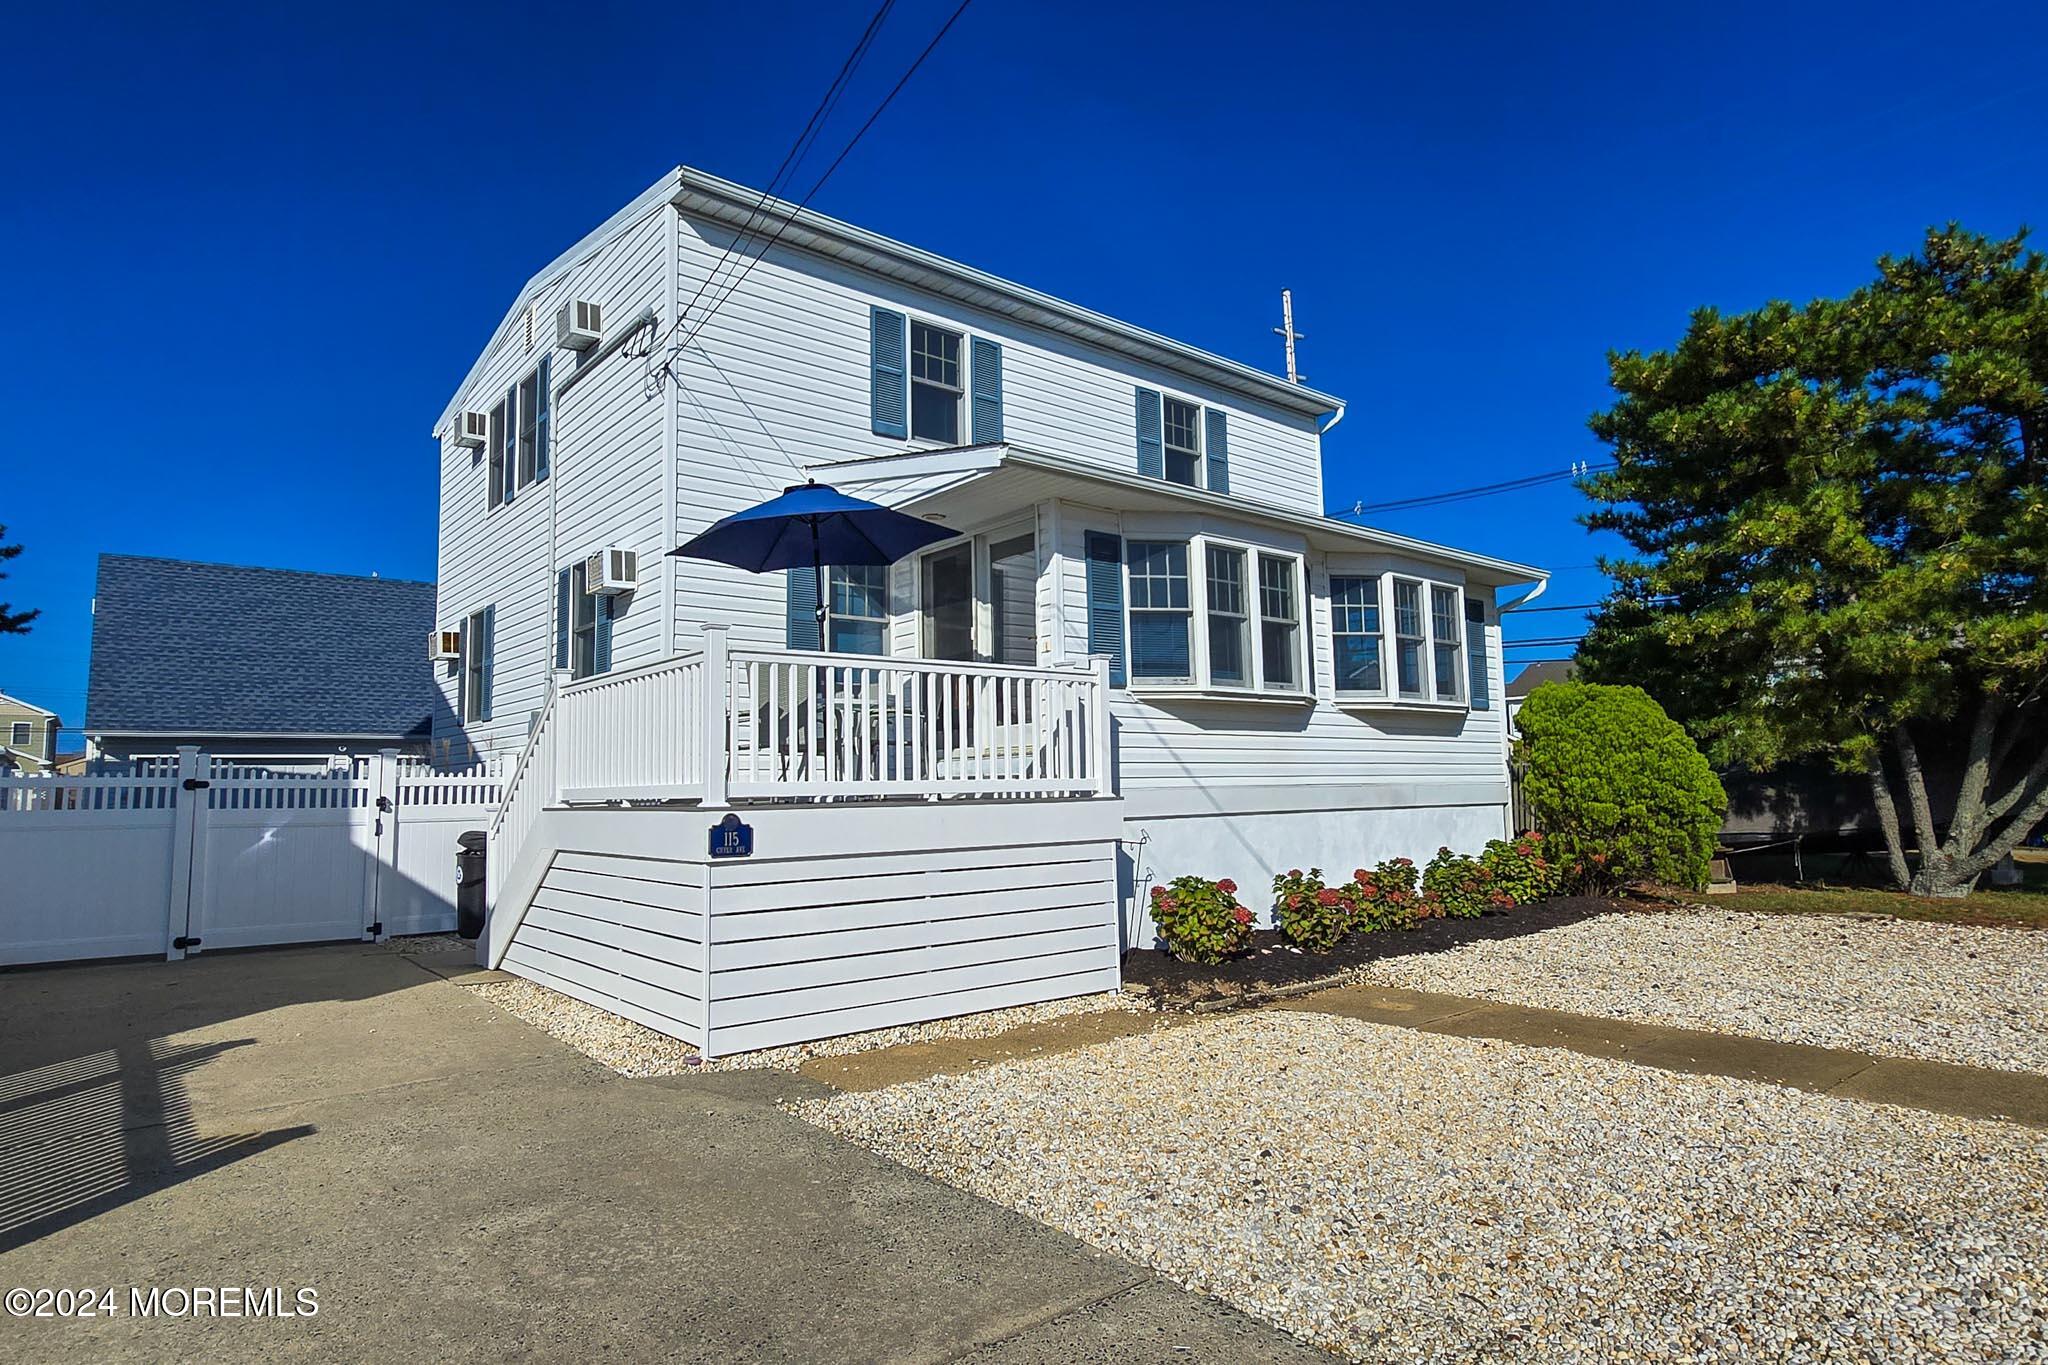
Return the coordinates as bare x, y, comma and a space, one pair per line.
1981, 831
1888, 820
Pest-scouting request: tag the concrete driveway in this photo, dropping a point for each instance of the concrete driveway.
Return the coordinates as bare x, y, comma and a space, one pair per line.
455, 1185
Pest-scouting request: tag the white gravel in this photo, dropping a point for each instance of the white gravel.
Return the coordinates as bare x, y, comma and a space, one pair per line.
634, 1050
1945, 993
1396, 1195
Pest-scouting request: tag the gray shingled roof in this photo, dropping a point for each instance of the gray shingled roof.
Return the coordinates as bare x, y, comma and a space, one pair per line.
1542, 671
219, 649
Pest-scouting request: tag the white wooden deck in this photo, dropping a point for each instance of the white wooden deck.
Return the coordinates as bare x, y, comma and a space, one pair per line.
929, 839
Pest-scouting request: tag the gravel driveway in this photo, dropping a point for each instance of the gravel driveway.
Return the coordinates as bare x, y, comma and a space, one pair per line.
1390, 1194
1940, 992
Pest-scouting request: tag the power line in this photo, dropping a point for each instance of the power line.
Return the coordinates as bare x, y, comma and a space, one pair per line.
1551, 642
790, 219
1578, 469
791, 159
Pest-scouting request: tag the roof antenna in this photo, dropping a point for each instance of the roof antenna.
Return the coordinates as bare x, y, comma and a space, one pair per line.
1286, 329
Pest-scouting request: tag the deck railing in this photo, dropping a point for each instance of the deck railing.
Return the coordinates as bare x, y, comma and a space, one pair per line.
634, 735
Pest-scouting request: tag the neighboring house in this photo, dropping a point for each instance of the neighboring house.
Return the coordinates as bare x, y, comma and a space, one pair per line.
258, 663
28, 736
1282, 688
1532, 677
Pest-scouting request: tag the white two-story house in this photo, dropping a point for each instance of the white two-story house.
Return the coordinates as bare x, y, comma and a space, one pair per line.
1146, 652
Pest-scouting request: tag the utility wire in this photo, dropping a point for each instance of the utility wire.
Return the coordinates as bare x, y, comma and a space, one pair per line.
1578, 469
790, 219
791, 159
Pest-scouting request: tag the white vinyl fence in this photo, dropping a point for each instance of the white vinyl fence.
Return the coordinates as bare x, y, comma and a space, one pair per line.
209, 855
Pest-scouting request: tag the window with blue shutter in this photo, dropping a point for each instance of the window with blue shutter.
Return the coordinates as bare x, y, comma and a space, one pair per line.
601, 647
1475, 654
490, 633
1151, 453
509, 433
887, 396
562, 608
987, 399
1105, 559
546, 422
1218, 451
801, 612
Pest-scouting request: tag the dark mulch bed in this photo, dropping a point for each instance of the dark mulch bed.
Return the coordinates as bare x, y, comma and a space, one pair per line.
1273, 964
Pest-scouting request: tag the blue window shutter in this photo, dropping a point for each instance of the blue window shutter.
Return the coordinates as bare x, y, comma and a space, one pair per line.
1218, 450
547, 418
1106, 599
483, 709
509, 451
1151, 451
1475, 654
887, 390
601, 647
562, 619
987, 379
802, 593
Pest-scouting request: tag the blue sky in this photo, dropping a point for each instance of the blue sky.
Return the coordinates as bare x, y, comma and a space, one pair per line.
251, 254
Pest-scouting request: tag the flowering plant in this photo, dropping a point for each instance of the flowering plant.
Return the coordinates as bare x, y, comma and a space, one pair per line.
1458, 884
1200, 920
1384, 897
1520, 870
1314, 916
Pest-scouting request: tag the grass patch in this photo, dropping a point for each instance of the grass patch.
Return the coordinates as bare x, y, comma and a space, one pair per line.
2024, 907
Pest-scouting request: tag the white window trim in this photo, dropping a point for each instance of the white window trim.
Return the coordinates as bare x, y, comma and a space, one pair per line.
1390, 696
509, 405
1201, 685
473, 666
910, 382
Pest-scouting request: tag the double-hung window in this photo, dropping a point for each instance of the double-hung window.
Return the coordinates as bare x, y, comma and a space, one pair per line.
857, 616
1181, 428
1279, 625
1446, 615
935, 388
1230, 663
476, 645
1161, 609
517, 437
1409, 639
582, 624
20, 734
494, 437
1355, 632
529, 427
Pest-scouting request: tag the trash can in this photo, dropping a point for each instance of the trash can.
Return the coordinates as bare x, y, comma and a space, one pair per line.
469, 882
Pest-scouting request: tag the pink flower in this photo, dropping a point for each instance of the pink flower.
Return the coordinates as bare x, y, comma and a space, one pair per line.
1244, 916
1227, 887
1296, 872
1327, 897
1360, 876
1158, 893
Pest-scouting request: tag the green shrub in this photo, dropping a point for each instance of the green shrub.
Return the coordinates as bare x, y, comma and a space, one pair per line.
1456, 883
1520, 870
1314, 916
1384, 897
1201, 920
1620, 792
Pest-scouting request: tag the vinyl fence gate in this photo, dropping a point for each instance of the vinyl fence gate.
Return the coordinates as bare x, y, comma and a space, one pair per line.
198, 854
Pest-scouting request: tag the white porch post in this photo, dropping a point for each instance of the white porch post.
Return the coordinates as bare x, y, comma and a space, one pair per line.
1100, 747
712, 734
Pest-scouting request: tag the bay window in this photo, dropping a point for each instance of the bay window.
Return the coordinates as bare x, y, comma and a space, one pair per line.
1229, 619
1409, 640
1446, 613
1279, 625
1355, 631
1216, 616
1160, 611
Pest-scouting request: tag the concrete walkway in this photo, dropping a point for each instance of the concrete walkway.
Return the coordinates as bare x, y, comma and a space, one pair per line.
456, 1185
1940, 1087
1967, 1091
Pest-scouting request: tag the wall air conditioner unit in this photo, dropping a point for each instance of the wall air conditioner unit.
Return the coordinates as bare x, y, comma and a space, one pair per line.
579, 325
612, 571
472, 429
444, 646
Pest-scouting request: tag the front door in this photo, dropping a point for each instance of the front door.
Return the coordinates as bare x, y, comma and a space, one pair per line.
949, 603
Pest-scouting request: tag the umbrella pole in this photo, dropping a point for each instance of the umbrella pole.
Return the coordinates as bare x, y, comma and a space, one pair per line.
818, 581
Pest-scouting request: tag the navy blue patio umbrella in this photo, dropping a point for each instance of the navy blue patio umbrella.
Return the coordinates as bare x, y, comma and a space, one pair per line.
812, 524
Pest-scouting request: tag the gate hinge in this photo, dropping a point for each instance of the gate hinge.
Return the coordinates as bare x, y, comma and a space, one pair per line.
375, 929
194, 784
181, 943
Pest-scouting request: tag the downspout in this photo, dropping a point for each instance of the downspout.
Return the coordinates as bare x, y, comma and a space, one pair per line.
1326, 428
1524, 600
